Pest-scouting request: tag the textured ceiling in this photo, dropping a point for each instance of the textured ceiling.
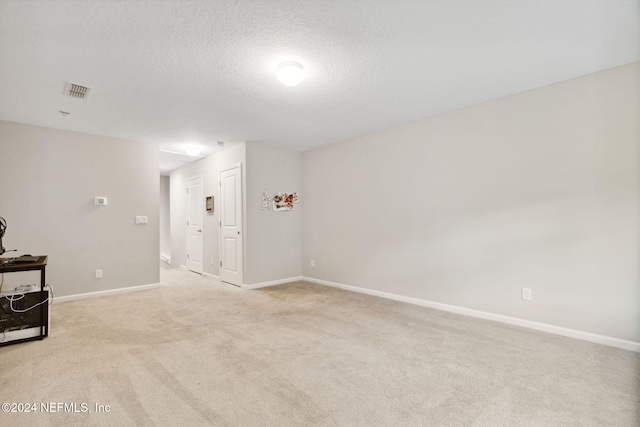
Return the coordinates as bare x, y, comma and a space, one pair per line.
197, 72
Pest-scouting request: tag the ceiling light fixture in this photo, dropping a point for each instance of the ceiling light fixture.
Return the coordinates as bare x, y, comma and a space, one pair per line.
192, 151
290, 73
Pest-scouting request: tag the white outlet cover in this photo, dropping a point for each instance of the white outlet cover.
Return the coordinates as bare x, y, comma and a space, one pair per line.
142, 219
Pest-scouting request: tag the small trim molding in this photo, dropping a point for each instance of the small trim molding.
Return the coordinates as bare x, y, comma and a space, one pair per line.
166, 258
273, 283
104, 293
543, 327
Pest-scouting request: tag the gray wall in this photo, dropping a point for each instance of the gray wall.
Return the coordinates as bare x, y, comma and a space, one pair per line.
537, 190
209, 168
48, 181
274, 238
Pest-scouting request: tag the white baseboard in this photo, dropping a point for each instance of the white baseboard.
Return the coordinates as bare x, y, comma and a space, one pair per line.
272, 283
184, 267
572, 333
104, 293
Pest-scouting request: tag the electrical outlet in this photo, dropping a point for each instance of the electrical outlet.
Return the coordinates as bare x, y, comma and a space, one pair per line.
98, 274
526, 294
313, 263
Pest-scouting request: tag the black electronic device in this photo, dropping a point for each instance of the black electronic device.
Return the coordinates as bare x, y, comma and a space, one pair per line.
24, 313
23, 317
3, 228
26, 259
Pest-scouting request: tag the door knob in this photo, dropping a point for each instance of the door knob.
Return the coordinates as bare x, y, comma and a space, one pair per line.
238, 232
199, 231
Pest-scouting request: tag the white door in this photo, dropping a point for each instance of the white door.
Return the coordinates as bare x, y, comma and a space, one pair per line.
231, 225
195, 207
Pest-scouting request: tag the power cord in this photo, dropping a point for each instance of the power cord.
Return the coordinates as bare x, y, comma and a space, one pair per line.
18, 297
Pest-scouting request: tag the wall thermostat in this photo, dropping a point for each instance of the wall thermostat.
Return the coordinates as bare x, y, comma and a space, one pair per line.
101, 201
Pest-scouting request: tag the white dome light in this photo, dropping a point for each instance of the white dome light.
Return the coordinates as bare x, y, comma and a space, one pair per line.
290, 73
193, 151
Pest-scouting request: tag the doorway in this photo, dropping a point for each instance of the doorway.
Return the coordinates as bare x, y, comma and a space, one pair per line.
195, 207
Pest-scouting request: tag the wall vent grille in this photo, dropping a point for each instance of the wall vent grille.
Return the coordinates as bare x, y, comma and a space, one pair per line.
77, 91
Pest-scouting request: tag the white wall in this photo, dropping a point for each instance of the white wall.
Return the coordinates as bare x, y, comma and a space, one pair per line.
274, 238
48, 181
539, 190
165, 217
209, 168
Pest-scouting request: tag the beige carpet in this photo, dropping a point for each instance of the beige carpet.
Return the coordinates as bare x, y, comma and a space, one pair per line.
197, 352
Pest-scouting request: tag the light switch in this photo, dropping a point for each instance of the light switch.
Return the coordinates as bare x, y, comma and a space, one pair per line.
142, 219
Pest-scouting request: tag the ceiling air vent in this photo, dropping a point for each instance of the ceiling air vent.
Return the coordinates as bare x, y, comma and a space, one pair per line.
77, 91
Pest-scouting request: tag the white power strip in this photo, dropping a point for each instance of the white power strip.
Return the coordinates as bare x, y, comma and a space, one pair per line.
23, 289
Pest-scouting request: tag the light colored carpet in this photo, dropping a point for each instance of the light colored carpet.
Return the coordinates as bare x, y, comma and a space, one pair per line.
197, 352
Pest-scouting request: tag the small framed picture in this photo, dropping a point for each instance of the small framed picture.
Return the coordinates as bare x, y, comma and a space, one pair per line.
209, 203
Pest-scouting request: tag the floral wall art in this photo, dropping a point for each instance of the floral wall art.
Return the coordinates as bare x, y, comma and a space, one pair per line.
284, 201
280, 201
266, 201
